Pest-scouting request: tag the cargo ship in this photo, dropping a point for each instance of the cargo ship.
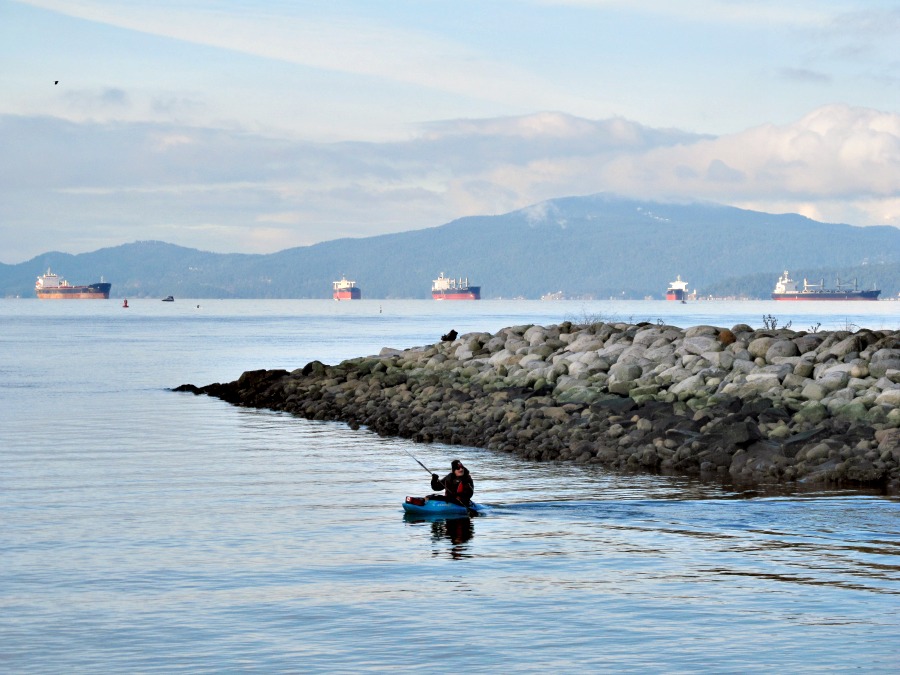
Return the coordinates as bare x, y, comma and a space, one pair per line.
346, 290
786, 289
51, 287
444, 288
677, 289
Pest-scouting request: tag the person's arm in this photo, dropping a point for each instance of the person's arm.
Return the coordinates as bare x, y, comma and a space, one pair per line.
468, 489
436, 482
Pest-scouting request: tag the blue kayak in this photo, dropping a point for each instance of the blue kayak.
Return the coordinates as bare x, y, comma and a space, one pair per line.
424, 506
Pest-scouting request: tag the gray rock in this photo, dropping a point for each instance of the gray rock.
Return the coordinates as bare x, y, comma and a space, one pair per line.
804, 369
724, 360
780, 370
844, 347
695, 331
808, 343
611, 352
762, 382
535, 335
794, 381
890, 397
740, 353
882, 367
834, 381
624, 372
760, 346
633, 354
692, 384
741, 366
646, 336
885, 355
659, 353
529, 359
781, 348
697, 344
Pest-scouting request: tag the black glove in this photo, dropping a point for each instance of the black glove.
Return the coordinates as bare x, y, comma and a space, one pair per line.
434, 476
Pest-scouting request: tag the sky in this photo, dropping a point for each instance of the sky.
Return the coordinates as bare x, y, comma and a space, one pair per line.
255, 126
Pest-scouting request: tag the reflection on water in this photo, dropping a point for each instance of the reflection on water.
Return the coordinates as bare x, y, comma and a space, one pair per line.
457, 531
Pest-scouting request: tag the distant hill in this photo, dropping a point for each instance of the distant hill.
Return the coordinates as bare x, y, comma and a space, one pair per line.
600, 245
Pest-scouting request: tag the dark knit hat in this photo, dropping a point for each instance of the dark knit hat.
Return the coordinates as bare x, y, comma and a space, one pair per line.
456, 464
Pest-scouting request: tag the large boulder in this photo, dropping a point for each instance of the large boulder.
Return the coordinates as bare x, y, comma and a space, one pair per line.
889, 397
808, 343
690, 385
781, 348
760, 346
646, 336
813, 392
884, 360
698, 344
694, 331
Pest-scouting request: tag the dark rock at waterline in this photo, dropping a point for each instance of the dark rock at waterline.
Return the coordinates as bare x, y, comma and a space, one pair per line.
761, 407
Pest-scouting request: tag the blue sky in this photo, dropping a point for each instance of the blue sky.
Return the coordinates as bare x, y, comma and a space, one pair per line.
258, 126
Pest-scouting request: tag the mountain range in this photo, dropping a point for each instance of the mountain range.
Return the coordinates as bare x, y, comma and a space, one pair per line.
598, 246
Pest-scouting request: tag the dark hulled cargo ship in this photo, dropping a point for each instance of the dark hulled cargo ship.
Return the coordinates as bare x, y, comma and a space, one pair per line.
51, 287
444, 288
787, 289
345, 290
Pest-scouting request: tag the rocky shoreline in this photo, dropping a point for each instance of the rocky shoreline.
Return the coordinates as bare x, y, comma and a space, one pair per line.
752, 406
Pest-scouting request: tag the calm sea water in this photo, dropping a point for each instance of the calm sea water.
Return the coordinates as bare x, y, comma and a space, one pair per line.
147, 531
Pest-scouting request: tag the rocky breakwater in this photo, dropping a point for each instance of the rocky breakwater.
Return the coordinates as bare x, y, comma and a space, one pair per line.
758, 406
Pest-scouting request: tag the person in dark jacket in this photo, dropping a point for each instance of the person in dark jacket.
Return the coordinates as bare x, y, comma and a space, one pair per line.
458, 485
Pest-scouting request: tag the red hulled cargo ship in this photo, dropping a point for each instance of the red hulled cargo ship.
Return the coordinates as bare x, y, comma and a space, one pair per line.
346, 290
51, 287
444, 288
786, 289
677, 290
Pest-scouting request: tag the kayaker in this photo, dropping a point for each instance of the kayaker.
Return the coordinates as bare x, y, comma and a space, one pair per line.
458, 485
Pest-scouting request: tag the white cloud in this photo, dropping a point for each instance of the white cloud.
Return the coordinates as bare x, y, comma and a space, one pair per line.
834, 151
763, 12
335, 42
256, 194
805, 76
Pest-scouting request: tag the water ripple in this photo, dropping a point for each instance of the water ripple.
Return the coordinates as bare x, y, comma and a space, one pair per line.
146, 531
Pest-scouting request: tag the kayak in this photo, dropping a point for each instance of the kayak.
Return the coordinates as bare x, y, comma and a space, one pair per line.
425, 506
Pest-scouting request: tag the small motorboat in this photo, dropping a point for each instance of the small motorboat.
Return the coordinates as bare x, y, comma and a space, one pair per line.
427, 506
168, 298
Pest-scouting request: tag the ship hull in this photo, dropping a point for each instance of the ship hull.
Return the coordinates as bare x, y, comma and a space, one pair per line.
92, 292
826, 295
350, 294
469, 293
675, 295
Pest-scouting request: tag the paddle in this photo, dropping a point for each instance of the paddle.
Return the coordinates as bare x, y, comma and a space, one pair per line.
469, 510
417, 461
